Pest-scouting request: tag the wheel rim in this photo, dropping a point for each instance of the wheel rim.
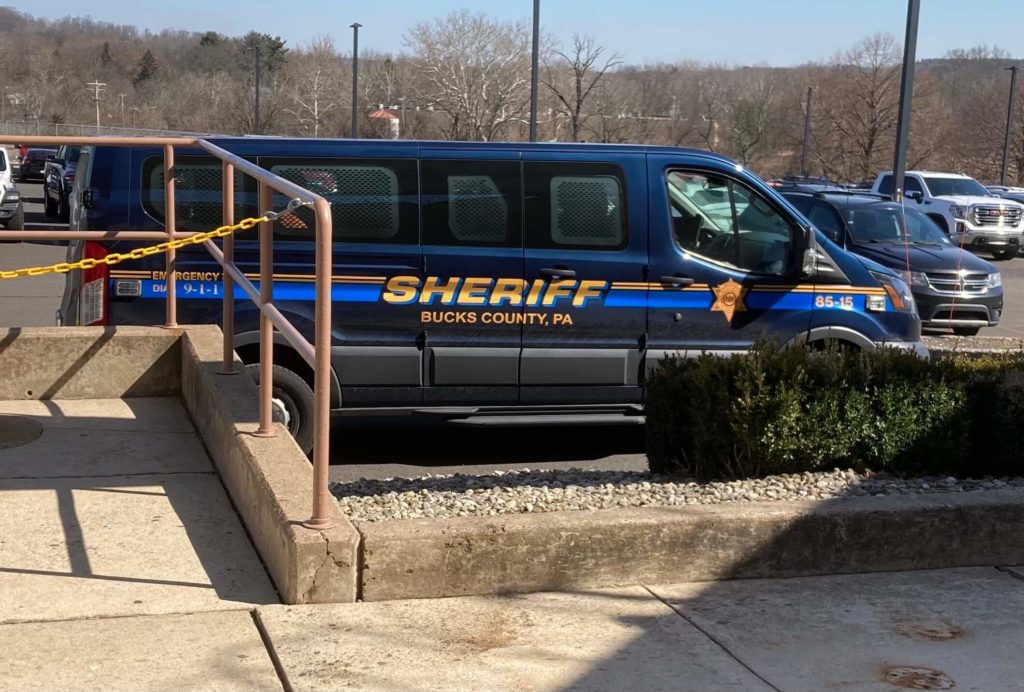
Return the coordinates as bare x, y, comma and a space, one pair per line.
286, 411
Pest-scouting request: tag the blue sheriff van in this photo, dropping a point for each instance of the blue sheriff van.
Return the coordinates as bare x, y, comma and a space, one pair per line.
494, 283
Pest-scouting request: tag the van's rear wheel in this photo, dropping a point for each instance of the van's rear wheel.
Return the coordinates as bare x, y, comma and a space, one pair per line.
293, 404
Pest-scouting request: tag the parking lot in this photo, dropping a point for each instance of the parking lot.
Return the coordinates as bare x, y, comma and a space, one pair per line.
428, 449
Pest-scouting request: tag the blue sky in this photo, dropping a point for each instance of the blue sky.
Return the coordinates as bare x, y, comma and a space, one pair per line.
739, 32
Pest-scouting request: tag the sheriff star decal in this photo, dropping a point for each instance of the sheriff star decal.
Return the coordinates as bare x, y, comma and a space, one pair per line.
729, 299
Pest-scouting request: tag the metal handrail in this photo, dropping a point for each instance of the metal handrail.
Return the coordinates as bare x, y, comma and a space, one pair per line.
316, 354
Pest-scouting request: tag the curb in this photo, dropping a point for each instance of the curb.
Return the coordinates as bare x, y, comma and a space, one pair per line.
269, 480
560, 551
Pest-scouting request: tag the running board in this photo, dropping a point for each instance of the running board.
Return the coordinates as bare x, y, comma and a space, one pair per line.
530, 420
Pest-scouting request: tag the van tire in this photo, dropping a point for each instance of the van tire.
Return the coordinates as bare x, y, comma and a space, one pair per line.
295, 394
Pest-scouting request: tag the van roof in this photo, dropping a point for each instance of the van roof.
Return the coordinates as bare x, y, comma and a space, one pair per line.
462, 145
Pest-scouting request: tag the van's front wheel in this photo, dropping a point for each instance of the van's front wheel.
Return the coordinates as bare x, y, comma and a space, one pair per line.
293, 404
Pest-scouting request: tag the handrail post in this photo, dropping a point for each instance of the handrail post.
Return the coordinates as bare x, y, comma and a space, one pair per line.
321, 518
266, 428
169, 224
228, 301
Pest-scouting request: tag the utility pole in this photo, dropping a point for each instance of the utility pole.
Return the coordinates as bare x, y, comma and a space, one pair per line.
807, 133
355, 79
98, 88
1009, 124
256, 114
534, 59
122, 95
906, 98
135, 112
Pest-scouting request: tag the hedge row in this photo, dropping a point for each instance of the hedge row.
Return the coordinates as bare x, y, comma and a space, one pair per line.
787, 410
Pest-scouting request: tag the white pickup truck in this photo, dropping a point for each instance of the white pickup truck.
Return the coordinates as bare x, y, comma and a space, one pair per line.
963, 208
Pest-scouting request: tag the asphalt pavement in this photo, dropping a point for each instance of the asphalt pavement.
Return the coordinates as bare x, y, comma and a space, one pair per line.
31, 302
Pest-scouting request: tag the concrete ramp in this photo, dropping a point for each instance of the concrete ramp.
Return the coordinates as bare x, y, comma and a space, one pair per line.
115, 509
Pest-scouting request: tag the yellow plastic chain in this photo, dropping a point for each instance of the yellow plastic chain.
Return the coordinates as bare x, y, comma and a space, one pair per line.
139, 253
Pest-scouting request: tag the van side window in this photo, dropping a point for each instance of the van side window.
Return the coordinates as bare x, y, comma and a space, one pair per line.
197, 192
575, 205
471, 203
372, 200
725, 221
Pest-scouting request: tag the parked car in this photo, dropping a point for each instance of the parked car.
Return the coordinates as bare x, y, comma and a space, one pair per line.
962, 207
954, 289
58, 178
804, 183
33, 163
12, 212
1015, 194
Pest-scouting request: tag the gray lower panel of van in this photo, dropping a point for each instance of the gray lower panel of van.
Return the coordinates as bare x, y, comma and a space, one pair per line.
580, 366
480, 367
385, 366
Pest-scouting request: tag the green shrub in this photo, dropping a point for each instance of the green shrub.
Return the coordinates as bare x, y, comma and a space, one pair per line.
787, 410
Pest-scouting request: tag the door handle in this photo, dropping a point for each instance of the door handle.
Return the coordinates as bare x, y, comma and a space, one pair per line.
677, 280
557, 273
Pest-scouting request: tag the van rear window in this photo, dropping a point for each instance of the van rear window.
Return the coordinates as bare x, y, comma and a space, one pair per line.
197, 192
372, 201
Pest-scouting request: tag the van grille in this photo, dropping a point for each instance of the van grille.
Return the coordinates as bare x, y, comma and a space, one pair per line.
993, 215
952, 283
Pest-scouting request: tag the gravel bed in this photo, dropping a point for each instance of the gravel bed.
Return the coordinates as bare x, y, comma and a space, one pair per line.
518, 492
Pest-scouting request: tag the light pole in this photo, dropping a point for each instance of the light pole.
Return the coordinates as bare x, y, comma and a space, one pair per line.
355, 79
1009, 124
906, 98
534, 59
807, 133
256, 114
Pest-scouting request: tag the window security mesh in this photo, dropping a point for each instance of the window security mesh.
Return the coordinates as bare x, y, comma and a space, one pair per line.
477, 212
586, 210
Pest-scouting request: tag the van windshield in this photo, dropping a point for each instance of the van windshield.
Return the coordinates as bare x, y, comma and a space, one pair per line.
945, 187
884, 224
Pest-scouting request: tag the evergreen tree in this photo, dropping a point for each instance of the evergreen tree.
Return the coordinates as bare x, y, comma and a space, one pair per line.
147, 69
105, 54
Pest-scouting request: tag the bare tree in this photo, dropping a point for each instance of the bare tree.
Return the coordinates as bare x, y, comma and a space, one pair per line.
474, 70
864, 104
315, 87
573, 78
751, 112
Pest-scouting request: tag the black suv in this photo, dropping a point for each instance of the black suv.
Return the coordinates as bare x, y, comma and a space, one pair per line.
58, 179
953, 288
33, 163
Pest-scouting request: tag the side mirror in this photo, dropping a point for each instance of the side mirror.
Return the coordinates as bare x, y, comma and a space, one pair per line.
87, 200
916, 196
833, 234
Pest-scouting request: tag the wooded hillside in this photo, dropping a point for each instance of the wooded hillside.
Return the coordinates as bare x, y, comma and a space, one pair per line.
466, 76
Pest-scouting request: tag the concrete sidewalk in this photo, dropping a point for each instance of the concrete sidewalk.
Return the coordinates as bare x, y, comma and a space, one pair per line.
124, 567
122, 562
942, 629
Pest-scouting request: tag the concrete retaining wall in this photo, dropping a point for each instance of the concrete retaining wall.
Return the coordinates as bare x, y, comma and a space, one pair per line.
269, 479
89, 363
431, 558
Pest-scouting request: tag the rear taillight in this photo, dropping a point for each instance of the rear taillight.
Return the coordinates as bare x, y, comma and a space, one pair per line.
69, 180
93, 300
